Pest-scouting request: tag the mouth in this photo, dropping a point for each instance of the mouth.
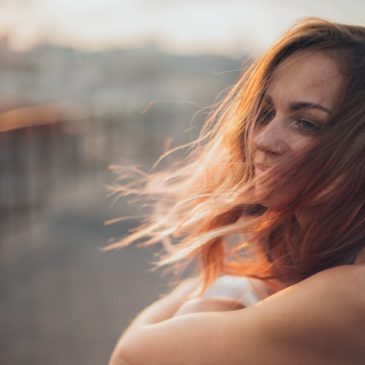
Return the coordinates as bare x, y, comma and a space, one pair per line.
261, 167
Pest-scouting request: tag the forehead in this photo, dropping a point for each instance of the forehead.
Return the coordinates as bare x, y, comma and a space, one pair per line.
312, 77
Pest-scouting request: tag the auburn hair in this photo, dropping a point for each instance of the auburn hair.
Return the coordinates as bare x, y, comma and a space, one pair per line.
203, 206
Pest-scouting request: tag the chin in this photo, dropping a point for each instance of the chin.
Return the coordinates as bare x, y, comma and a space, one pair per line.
275, 202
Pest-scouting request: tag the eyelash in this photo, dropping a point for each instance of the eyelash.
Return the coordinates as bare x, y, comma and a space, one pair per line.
266, 115
314, 127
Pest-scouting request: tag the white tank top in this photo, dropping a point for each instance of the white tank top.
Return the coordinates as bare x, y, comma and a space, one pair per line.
246, 290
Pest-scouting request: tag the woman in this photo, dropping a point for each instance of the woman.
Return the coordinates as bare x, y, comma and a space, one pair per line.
273, 193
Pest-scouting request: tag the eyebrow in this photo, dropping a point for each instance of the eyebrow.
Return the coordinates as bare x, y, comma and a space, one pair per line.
295, 106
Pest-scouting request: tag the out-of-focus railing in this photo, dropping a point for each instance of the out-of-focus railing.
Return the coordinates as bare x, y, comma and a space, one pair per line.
64, 114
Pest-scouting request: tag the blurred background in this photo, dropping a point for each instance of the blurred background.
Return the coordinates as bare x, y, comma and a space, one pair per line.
89, 84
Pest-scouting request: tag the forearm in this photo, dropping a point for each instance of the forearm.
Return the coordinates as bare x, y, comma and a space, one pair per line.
165, 307
160, 310
177, 303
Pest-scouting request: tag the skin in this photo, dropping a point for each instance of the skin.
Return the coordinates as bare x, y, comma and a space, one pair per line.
318, 321
303, 77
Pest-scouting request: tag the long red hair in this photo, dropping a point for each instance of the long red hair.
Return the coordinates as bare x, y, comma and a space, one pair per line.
204, 208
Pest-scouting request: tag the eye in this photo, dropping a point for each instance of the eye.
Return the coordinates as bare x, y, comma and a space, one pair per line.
307, 125
265, 115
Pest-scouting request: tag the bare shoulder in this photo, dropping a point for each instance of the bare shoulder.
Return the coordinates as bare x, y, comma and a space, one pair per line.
346, 283
322, 316
336, 294
320, 320
347, 280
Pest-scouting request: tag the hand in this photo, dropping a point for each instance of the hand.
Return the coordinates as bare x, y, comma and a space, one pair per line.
185, 290
165, 307
208, 305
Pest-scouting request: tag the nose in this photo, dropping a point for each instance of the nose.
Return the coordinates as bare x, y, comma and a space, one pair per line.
270, 139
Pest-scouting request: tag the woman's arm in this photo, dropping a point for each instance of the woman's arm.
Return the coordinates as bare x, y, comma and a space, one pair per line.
158, 311
299, 325
199, 305
165, 307
180, 301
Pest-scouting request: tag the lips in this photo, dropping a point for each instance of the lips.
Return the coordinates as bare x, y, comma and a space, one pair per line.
262, 167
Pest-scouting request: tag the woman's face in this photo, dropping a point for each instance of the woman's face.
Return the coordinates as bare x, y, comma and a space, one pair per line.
299, 101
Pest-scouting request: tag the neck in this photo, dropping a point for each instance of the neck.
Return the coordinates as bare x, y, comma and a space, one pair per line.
303, 218
360, 257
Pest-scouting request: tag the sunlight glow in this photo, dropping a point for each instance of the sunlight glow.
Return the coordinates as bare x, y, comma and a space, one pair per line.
180, 26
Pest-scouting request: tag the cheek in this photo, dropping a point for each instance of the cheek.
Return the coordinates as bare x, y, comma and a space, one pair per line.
266, 195
298, 143
277, 199
271, 195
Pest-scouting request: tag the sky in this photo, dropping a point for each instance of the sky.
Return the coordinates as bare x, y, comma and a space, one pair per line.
181, 26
